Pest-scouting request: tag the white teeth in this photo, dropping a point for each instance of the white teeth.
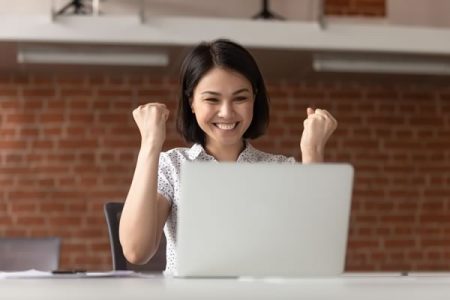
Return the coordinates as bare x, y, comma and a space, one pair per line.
226, 126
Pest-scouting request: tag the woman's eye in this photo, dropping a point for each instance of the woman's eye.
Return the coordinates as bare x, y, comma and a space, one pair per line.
240, 99
212, 100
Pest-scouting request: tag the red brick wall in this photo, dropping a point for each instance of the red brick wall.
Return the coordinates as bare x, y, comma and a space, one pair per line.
367, 8
68, 144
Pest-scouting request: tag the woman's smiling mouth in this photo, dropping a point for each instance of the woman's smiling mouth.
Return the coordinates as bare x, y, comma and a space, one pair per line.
226, 126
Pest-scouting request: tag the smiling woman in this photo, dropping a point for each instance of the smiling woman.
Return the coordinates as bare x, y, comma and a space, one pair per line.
222, 104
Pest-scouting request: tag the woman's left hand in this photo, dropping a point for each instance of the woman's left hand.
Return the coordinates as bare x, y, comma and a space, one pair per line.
317, 129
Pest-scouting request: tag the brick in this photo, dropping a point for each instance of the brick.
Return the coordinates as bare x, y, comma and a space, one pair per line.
125, 105
7, 132
66, 182
103, 247
363, 244
52, 207
382, 206
434, 218
65, 221
43, 80
77, 207
104, 92
114, 118
101, 104
13, 170
71, 92
80, 105
56, 131
20, 118
30, 221
6, 222
90, 233
81, 117
398, 218
435, 243
70, 80
107, 157
433, 206
56, 104
15, 233
51, 118
50, 170
27, 195
20, 207
14, 158
361, 144
31, 132
77, 144
117, 143
8, 92
76, 131
386, 120
42, 144
399, 243
74, 248
426, 121
68, 195
38, 92
12, 145
87, 182
124, 131
95, 221
49, 182
64, 157
130, 157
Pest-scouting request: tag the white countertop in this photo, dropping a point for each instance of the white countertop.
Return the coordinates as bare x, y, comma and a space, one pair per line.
381, 286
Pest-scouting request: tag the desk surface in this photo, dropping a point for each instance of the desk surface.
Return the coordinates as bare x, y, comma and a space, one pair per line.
158, 287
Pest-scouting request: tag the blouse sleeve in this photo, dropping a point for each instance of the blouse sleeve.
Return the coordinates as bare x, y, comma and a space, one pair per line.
165, 177
280, 159
290, 159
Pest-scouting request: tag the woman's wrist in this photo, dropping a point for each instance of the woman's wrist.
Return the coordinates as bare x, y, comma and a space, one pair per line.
149, 150
312, 156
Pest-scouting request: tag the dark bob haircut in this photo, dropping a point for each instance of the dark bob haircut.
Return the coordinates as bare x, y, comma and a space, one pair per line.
228, 55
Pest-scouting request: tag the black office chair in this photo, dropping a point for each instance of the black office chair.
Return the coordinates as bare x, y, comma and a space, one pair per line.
113, 210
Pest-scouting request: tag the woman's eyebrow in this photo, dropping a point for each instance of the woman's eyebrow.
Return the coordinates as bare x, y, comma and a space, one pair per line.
241, 90
234, 93
212, 93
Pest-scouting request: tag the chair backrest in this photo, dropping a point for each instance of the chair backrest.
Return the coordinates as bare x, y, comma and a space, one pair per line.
18, 254
112, 212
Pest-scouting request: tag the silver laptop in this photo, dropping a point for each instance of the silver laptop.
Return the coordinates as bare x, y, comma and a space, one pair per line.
264, 219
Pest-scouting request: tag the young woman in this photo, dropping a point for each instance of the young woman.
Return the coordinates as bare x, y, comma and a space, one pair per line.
222, 104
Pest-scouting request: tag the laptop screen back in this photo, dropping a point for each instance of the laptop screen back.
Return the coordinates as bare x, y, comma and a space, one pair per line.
263, 219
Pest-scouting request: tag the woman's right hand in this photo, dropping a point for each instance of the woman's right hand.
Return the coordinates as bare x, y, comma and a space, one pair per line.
151, 120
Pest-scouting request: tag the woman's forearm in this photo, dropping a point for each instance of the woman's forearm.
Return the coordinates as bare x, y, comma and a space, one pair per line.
138, 230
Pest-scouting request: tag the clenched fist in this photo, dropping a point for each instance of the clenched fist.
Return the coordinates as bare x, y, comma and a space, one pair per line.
317, 129
151, 120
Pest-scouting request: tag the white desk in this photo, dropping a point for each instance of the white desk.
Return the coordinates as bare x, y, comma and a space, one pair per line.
348, 288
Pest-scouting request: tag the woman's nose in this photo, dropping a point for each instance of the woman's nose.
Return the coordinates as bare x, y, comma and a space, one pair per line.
226, 110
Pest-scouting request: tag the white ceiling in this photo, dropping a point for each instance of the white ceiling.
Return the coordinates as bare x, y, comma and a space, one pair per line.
283, 48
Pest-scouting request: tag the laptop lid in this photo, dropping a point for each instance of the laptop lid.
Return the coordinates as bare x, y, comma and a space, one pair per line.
263, 219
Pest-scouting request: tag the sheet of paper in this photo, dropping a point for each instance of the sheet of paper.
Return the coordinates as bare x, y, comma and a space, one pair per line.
372, 274
45, 274
429, 274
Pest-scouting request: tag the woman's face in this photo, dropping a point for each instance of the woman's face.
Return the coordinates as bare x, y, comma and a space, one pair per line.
223, 106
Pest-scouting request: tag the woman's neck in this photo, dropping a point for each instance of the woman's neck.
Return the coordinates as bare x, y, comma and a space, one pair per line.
225, 152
